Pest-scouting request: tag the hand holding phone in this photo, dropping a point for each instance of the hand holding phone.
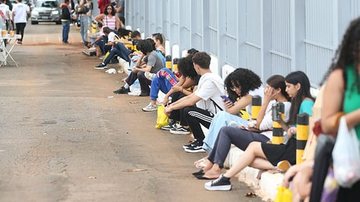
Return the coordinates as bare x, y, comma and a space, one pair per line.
226, 98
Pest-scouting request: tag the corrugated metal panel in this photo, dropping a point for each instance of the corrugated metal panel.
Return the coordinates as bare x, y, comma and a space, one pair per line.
166, 18
213, 27
174, 22
197, 25
250, 46
319, 37
185, 24
229, 34
281, 55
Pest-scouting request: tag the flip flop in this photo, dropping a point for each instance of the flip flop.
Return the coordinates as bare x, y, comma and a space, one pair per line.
202, 177
200, 172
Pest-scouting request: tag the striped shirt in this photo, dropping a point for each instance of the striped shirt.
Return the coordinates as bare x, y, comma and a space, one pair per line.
110, 22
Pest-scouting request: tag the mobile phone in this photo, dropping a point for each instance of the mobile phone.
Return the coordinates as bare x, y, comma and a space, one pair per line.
225, 98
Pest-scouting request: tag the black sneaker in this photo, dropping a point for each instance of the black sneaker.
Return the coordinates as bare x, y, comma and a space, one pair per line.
190, 144
101, 66
195, 149
122, 90
143, 94
220, 184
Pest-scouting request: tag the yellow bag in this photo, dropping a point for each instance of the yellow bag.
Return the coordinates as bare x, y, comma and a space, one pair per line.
283, 195
162, 118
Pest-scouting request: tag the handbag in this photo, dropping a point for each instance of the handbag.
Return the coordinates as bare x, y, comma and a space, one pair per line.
162, 119
346, 156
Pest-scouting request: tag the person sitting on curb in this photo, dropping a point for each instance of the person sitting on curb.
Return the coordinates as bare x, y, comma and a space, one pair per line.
187, 82
164, 80
148, 62
266, 156
242, 137
206, 97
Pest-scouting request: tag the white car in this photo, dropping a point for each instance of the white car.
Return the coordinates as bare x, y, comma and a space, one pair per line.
46, 11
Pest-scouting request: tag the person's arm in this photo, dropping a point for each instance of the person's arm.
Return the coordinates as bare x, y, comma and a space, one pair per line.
269, 95
334, 89
118, 23
238, 105
99, 18
151, 61
186, 101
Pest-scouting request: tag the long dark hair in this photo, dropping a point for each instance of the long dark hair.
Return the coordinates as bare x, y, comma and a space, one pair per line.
278, 81
304, 92
244, 79
348, 52
112, 10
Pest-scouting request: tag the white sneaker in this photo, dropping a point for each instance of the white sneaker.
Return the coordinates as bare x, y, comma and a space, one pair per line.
149, 108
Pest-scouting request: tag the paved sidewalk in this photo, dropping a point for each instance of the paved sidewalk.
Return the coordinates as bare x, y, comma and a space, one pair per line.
65, 137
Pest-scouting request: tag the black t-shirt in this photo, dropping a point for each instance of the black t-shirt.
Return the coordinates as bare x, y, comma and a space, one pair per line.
65, 13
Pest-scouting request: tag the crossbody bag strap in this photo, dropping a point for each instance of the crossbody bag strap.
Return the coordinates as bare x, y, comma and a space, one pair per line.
216, 106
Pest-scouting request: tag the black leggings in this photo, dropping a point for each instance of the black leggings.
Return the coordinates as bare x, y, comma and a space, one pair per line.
20, 27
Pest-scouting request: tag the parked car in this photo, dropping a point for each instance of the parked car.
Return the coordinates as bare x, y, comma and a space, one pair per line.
46, 11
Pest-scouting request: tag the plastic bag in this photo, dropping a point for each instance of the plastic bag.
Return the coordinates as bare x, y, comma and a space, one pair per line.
162, 118
346, 156
283, 195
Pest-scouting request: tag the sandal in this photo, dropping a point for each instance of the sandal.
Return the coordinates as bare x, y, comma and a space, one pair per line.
200, 164
283, 166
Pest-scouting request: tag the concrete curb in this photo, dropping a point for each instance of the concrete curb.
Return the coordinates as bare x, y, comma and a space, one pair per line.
265, 187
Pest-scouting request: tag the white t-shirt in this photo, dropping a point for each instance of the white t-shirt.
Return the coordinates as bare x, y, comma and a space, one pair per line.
267, 122
209, 89
5, 10
111, 37
20, 11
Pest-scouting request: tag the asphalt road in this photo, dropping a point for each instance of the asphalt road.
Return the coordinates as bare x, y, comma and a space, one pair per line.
63, 137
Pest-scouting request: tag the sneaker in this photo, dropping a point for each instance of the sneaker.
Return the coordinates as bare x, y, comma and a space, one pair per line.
180, 131
143, 94
122, 90
149, 108
170, 126
195, 149
101, 66
190, 144
220, 184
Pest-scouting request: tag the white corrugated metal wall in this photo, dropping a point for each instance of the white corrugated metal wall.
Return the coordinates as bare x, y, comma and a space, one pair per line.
267, 36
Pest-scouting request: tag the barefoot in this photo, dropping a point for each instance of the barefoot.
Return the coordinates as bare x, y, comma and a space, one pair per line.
213, 173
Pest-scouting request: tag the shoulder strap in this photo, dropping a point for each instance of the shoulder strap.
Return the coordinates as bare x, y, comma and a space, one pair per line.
216, 106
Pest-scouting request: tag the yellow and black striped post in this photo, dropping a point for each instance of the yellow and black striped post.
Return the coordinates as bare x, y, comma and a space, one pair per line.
168, 61
278, 110
255, 106
175, 65
302, 134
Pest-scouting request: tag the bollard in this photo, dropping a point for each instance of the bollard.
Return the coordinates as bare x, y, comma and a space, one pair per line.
255, 106
168, 61
302, 134
278, 111
175, 65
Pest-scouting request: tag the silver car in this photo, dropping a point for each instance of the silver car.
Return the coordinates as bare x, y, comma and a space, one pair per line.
46, 11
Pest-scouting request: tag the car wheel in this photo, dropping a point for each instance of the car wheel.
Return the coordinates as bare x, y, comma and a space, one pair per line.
34, 22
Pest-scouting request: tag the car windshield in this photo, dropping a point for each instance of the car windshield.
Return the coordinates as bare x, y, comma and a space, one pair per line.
47, 4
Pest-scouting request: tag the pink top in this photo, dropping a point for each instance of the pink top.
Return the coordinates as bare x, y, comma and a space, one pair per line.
110, 22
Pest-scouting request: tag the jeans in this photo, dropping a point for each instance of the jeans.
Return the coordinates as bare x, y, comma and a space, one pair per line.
230, 135
65, 31
220, 120
120, 50
84, 25
164, 81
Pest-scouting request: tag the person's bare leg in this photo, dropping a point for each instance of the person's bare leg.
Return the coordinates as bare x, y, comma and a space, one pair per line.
262, 164
252, 152
214, 172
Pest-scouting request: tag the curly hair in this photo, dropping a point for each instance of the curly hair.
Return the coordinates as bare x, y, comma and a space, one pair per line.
186, 67
244, 79
348, 53
304, 92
